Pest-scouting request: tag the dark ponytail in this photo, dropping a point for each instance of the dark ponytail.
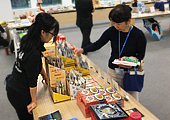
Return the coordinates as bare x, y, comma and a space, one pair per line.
32, 39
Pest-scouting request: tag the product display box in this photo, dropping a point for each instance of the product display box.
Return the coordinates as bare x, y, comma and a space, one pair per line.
65, 50
57, 75
68, 62
85, 98
84, 72
92, 96
50, 49
109, 111
82, 65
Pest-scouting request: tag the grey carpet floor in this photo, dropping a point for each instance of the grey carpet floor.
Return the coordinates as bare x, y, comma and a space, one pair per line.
154, 96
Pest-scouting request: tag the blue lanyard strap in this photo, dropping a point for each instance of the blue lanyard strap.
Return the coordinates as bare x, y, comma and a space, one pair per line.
124, 42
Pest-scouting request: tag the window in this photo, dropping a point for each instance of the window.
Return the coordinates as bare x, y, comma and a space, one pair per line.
51, 2
19, 4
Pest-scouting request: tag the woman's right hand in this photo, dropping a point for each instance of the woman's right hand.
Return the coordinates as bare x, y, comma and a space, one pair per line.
78, 51
44, 78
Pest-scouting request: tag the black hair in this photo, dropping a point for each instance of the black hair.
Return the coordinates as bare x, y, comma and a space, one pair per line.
120, 13
32, 40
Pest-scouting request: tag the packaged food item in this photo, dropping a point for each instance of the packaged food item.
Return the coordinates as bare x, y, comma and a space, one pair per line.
108, 111
110, 90
93, 90
109, 99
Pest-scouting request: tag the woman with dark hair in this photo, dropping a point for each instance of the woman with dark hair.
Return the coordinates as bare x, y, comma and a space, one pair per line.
126, 40
22, 84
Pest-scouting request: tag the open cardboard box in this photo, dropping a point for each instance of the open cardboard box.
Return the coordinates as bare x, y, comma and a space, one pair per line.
56, 74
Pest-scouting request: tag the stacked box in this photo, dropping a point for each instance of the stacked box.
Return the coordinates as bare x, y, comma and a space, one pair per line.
117, 98
83, 108
92, 96
93, 117
108, 97
85, 98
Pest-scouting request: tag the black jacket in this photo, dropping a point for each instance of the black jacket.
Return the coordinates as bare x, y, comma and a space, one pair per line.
84, 9
1, 30
26, 69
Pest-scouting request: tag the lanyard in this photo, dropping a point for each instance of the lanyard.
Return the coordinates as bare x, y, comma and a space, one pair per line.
124, 42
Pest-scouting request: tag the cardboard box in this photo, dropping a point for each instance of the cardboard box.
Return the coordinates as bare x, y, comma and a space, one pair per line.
50, 49
68, 61
58, 97
55, 75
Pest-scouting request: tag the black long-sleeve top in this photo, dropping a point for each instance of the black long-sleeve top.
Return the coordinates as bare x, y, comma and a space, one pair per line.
135, 45
26, 69
1, 29
84, 8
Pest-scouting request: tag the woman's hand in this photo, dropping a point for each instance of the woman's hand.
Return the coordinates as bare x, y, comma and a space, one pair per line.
78, 51
31, 106
45, 78
93, 10
125, 66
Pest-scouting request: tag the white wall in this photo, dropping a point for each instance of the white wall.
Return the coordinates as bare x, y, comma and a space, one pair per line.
5, 10
66, 2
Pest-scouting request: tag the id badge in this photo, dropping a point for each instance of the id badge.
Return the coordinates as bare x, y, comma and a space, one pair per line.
119, 71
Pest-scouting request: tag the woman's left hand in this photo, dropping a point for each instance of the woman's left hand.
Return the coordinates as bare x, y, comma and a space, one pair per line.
31, 106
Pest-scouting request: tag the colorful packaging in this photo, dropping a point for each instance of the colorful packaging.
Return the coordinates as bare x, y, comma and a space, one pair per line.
102, 91
110, 90
117, 96
109, 99
93, 90
99, 97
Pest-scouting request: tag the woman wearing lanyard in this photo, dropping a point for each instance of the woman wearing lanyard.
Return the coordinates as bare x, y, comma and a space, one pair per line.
126, 40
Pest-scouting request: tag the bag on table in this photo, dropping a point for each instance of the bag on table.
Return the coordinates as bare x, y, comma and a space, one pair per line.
4, 35
133, 80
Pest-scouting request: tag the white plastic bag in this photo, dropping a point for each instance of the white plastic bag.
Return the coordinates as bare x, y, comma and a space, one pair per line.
4, 35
